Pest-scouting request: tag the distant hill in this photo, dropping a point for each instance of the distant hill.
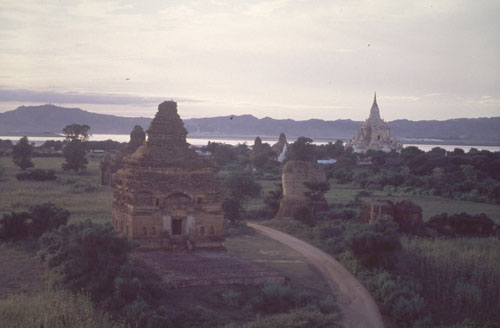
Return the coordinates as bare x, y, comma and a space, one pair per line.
51, 119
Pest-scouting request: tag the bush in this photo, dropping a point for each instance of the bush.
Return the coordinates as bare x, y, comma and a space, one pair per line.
374, 244
304, 215
81, 188
274, 299
37, 175
46, 217
462, 224
85, 256
398, 299
14, 225
42, 218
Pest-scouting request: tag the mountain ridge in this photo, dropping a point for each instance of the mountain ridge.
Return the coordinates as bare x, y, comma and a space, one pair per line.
52, 119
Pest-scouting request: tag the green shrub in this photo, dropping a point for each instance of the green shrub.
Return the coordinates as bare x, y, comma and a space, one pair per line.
398, 298
46, 217
42, 218
37, 175
274, 298
304, 215
374, 244
14, 225
328, 305
85, 256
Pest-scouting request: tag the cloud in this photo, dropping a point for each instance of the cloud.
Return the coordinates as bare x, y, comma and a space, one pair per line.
24, 95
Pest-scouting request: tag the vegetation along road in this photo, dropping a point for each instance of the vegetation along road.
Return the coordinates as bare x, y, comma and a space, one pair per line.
357, 306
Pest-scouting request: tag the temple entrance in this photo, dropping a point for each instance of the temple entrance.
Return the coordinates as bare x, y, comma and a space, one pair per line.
177, 226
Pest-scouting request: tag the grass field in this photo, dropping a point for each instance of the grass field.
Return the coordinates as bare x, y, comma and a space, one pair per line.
20, 271
430, 205
79, 193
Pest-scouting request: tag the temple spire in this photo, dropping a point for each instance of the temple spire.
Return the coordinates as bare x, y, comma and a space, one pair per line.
374, 111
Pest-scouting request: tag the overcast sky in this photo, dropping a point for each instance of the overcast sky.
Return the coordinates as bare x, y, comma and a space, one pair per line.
294, 59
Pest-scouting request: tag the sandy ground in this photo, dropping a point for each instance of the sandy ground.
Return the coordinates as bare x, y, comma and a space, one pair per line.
357, 306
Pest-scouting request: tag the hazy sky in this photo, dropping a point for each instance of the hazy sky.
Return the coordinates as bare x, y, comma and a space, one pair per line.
284, 59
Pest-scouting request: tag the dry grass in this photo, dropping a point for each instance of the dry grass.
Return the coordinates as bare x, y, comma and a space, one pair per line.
78, 193
20, 271
55, 309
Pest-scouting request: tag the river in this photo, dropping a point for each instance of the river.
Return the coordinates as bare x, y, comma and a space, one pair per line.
202, 141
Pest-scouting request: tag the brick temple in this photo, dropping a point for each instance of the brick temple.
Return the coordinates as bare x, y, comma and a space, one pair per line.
166, 196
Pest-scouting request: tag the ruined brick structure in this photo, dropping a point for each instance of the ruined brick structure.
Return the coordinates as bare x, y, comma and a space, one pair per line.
405, 212
110, 164
166, 194
374, 134
280, 148
106, 170
295, 173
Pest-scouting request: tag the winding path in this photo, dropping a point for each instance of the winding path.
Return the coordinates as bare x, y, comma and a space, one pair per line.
357, 305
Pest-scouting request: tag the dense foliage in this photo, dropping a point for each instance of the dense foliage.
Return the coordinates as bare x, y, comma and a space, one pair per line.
21, 153
41, 218
374, 244
238, 188
85, 256
75, 156
417, 281
473, 176
37, 175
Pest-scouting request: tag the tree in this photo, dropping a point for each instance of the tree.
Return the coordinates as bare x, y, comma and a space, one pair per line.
21, 153
85, 256
46, 217
315, 195
301, 150
42, 218
14, 225
76, 132
273, 200
74, 154
238, 187
241, 187
374, 244
233, 211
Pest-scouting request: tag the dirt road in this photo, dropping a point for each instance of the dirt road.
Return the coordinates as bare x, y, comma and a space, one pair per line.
357, 305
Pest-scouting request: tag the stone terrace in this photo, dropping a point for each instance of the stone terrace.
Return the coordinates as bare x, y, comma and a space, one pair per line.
207, 268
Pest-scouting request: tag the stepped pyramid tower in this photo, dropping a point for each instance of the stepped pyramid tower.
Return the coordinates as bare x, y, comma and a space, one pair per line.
374, 133
166, 195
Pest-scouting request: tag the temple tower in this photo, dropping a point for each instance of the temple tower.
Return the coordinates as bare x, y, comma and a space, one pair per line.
374, 133
166, 195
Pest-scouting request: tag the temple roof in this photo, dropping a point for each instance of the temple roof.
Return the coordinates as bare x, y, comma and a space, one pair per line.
166, 144
374, 111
